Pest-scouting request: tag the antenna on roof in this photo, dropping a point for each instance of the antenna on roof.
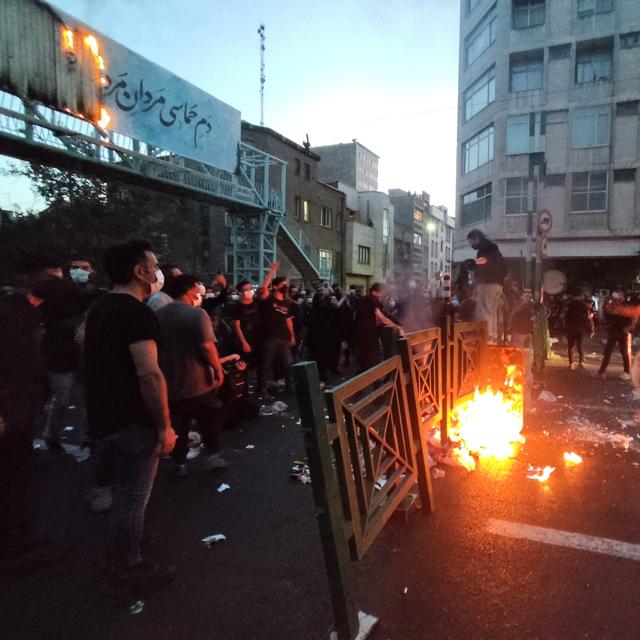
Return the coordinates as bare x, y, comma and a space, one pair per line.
306, 144
262, 76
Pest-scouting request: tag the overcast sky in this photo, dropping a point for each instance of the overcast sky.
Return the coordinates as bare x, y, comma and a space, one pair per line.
382, 71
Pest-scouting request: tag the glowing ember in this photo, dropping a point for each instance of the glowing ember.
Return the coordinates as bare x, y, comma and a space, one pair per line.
100, 62
105, 118
541, 474
572, 459
489, 424
67, 36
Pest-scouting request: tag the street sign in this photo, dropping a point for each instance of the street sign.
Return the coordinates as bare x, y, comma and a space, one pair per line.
554, 281
543, 249
545, 221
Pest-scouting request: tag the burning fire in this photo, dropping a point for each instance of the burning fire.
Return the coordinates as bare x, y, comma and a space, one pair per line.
68, 38
105, 118
572, 459
489, 424
92, 43
541, 474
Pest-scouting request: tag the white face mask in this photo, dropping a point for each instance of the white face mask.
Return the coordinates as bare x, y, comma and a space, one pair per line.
79, 275
234, 297
248, 294
158, 284
309, 300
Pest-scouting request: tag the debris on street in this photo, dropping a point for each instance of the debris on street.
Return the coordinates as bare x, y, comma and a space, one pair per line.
547, 396
571, 459
541, 474
223, 487
136, 607
272, 409
438, 473
211, 540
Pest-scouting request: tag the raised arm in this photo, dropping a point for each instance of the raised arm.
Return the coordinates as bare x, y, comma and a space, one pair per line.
264, 290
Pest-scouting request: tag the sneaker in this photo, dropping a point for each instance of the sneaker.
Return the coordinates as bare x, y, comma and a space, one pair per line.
624, 376
179, 471
212, 461
145, 574
100, 499
581, 365
570, 366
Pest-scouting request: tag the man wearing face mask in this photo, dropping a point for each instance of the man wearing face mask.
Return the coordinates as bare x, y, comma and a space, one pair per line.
127, 404
277, 335
619, 330
192, 367
245, 322
161, 290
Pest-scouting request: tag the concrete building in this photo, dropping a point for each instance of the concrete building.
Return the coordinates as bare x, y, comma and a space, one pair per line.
423, 237
368, 241
351, 163
550, 119
312, 229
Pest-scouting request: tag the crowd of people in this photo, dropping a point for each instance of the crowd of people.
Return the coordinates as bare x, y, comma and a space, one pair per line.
159, 353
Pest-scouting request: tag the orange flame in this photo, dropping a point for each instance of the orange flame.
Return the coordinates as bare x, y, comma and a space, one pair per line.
105, 118
92, 43
68, 38
571, 459
541, 474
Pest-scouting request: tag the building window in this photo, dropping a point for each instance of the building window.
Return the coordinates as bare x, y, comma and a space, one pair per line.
297, 207
417, 239
480, 94
326, 261
591, 127
478, 150
593, 64
307, 171
630, 40
305, 211
518, 139
364, 255
589, 191
481, 38
589, 7
476, 205
516, 199
297, 166
417, 215
525, 71
227, 219
528, 13
326, 215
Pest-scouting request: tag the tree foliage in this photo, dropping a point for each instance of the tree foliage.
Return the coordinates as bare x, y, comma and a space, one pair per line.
84, 215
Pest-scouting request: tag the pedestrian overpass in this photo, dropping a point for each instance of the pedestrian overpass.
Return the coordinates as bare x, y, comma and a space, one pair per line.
54, 85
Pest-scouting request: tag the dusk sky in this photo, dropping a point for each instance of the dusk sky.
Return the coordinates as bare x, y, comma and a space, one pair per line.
382, 71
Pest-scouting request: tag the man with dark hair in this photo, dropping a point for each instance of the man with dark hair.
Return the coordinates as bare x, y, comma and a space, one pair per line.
192, 367
490, 270
245, 322
620, 324
577, 320
127, 403
368, 318
277, 334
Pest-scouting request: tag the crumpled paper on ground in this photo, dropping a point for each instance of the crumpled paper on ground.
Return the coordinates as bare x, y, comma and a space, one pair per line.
547, 396
272, 409
211, 540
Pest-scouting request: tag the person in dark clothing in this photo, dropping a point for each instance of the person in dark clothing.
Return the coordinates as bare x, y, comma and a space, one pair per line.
577, 321
490, 270
277, 335
368, 318
23, 389
127, 403
619, 330
521, 321
245, 322
210, 305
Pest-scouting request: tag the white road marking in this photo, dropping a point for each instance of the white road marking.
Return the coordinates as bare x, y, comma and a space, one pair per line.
606, 546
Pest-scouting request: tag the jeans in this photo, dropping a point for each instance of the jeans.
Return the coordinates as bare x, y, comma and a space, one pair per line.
274, 352
208, 411
65, 387
133, 450
623, 340
487, 307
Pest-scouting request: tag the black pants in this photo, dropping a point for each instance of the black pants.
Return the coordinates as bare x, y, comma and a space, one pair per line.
575, 338
623, 340
207, 411
368, 355
275, 355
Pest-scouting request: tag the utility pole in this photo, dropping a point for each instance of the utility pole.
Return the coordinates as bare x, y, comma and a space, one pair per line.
262, 76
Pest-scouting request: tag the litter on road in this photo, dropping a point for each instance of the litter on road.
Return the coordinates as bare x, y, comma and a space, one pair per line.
211, 540
136, 607
571, 459
547, 396
541, 474
223, 487
272, 409
250, 446
438, 473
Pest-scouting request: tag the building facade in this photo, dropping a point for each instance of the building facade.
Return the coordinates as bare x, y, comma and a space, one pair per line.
549, 119
368, 241
314, 216
351, 163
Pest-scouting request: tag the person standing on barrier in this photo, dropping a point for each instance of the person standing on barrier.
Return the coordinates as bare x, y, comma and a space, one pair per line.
368, 318
490, 270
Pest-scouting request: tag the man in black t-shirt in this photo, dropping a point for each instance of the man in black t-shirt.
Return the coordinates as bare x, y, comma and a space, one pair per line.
127, 402
276, 331
245, 322
367, 319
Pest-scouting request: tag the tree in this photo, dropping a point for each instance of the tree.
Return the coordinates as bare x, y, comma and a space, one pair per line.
84, 215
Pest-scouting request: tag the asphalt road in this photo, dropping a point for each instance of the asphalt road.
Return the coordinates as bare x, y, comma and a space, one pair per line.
441, 576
